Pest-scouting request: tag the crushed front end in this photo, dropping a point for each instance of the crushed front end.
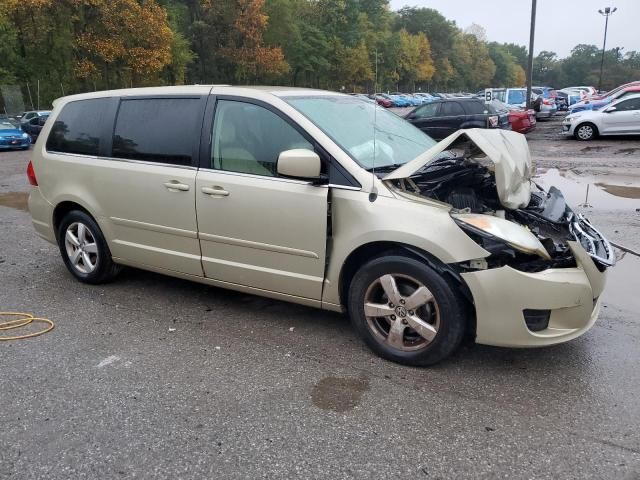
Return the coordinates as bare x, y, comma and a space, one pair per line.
541, 281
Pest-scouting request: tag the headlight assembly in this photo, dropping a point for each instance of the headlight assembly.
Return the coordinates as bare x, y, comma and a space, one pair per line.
496, 228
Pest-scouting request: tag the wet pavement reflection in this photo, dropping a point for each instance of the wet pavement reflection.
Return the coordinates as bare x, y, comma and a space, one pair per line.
603, 192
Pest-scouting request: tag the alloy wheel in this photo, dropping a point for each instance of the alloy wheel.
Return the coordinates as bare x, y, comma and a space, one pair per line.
81, 247
401, 312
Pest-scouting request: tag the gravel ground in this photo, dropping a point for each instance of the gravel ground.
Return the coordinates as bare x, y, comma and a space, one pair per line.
247, 387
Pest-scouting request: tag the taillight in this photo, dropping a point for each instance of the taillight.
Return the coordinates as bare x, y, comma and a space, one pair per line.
31, 175
492, 121
546, 101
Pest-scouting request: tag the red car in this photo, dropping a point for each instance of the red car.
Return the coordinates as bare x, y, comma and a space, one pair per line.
522, 121
384, 102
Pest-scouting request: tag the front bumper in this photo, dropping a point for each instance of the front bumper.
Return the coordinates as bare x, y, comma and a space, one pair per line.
567, 128
11, 143
501, 295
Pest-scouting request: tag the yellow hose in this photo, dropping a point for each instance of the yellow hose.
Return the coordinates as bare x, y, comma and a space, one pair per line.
26, 319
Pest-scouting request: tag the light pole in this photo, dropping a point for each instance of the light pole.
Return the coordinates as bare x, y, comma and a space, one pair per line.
532, 31
606, 13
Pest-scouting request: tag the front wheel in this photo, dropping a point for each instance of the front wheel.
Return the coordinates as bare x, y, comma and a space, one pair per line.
406, 311
585, 131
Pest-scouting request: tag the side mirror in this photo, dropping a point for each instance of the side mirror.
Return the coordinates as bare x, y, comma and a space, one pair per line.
299, 163
611, 109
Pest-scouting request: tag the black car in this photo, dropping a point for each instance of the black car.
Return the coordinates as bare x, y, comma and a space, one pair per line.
442, 117
34, 126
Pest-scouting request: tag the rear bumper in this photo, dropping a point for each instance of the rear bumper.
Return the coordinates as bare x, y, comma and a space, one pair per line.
41, 215
501, 295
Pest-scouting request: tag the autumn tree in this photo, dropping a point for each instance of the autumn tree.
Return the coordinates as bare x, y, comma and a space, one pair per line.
246, 49
121, 41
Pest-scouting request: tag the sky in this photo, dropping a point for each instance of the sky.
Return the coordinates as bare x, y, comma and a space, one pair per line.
560, 24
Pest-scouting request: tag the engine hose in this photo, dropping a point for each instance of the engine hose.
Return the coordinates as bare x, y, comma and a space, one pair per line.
26, 319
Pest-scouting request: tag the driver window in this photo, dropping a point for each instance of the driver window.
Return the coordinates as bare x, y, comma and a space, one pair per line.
632, 104
248, 138
427, 111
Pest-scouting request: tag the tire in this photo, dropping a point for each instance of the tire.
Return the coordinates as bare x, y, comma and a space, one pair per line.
84, 249
441, 319
585, 131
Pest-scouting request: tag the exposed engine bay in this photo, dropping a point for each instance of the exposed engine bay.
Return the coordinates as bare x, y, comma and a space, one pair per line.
463, 177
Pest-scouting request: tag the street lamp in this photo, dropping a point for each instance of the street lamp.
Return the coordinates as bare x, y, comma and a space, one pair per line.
606, 13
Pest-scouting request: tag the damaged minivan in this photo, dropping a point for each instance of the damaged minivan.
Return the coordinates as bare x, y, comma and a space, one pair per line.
324, 200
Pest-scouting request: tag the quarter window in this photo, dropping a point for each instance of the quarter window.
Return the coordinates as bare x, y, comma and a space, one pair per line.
248, 138
78, 127
159, 130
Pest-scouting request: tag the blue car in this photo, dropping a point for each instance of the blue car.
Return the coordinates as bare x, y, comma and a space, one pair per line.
12, 137
397, 100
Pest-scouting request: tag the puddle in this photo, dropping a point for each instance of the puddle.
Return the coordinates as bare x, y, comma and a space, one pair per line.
338, 394
602, 192
593, 149
17, 200
626, 151
621, 290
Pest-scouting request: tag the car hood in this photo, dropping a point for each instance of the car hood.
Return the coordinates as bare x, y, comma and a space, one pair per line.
15, 131
507, 150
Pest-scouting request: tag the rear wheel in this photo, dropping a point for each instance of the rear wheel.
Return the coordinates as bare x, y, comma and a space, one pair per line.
84, 249
405, 311
585, 131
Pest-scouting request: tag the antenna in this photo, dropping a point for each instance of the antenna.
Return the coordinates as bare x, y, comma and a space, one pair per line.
374, 192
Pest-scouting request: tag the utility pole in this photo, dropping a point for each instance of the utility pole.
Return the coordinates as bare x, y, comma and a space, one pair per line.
530, 63
606, 13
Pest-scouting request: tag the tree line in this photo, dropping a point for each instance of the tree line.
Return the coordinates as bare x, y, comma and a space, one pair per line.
353, 45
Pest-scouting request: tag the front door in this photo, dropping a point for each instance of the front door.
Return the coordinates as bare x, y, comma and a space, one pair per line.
624, 119
256, 228
425, 118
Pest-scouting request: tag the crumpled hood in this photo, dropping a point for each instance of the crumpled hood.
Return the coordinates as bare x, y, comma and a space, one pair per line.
507, 150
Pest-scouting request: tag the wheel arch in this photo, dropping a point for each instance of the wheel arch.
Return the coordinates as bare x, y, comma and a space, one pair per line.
62, 209
371, 250
596, 131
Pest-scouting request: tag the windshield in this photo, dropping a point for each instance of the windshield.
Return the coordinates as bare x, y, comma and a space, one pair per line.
516, 97
7, 126
350, 122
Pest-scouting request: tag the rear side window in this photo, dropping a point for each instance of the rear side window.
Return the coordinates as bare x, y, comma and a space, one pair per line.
450, 109
157, 130
78, 127
476, 108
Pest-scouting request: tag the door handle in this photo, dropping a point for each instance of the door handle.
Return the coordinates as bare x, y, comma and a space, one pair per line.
176, 185
215, 191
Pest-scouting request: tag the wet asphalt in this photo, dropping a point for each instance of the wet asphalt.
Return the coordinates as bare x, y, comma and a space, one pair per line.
154, 377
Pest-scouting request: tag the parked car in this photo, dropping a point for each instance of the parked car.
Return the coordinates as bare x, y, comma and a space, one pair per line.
521, 120
399, 100
27, 116
412, 101
621, 117
598, 103
382, 101
298, 195
441, 118
34, 126
517, 96
13, 137
426, 97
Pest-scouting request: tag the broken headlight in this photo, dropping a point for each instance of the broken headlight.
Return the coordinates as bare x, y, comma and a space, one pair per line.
496, 228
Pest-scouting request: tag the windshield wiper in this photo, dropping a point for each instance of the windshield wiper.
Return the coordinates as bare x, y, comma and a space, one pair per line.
384, 168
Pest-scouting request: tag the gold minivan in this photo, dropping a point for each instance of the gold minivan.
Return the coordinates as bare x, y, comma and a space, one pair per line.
325, 200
